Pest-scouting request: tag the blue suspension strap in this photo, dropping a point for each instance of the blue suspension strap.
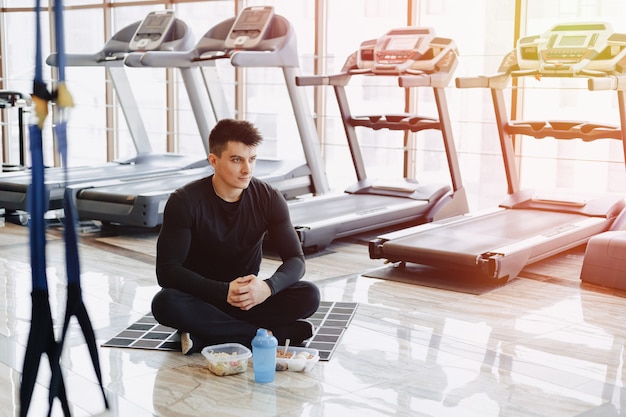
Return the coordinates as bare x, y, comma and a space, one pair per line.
41, 337
74, 305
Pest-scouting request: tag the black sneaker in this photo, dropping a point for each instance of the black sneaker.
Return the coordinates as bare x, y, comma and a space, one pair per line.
297, 332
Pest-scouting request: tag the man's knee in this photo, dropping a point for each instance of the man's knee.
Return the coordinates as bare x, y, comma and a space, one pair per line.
314, 293
312, 298
164, 304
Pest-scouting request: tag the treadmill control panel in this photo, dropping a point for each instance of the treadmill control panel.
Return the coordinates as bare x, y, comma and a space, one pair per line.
250, 27
569, 48
152, 31
407, 50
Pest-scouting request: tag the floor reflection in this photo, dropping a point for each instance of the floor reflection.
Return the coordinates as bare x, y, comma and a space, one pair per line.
542, 345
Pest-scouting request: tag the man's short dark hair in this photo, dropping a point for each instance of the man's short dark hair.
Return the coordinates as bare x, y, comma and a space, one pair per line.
231, 130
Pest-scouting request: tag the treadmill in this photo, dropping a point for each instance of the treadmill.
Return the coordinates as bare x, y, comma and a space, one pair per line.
495, 245
255, 38
416, 57
159, 30
9, 99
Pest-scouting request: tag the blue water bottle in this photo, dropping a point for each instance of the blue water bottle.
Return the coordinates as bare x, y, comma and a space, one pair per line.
264, 356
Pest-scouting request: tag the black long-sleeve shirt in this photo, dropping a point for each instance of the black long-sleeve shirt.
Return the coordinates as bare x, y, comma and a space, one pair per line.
206, 242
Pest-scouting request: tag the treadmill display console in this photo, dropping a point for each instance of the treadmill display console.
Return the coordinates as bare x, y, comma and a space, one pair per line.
250, 27
567, 49
152, 31
406, 50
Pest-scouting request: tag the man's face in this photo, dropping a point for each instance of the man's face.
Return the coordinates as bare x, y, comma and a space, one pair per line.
235, 166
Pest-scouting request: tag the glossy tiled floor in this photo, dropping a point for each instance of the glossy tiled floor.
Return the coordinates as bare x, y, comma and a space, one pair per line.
542, 345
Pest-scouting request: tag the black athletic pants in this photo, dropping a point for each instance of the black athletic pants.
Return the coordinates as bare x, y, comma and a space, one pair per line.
210, 324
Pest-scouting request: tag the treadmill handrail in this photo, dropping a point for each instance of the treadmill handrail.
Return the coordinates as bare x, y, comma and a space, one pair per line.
497, 81
419, 80
610, 82
175, 59
560, 129
438, 80
10, 98
555, 129
88, 60
112, 57
340, 80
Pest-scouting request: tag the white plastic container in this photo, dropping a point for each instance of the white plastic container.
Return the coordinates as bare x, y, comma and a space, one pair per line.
301, 360
227, 358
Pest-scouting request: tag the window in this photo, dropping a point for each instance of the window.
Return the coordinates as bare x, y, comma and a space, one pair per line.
572, 164
98, 131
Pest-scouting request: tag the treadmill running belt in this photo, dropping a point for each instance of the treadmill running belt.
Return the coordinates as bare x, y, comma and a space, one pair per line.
347, 205
459, 244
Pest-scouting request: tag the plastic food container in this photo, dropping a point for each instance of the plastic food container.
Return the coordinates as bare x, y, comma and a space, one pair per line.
227, 358
298, 360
